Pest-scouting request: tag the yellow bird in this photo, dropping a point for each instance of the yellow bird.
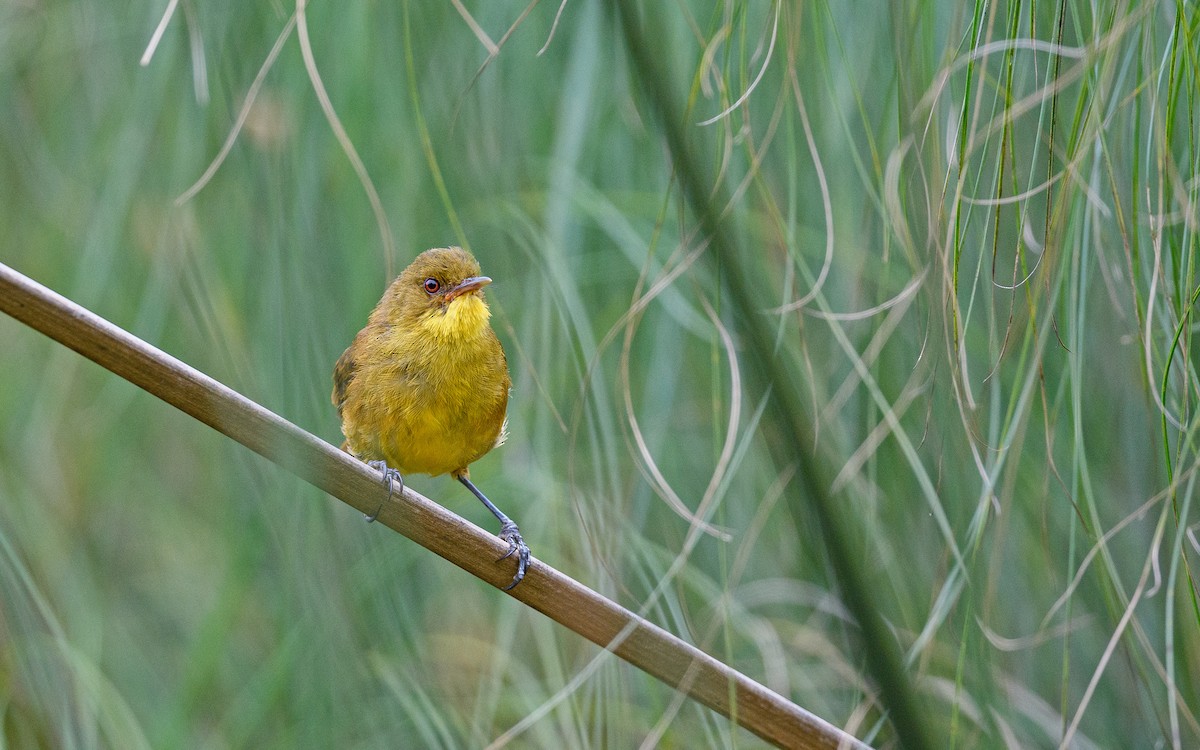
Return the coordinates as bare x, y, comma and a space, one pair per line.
424, 386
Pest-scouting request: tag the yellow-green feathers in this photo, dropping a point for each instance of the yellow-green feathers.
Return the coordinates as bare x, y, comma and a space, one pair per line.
425, 384
462, 319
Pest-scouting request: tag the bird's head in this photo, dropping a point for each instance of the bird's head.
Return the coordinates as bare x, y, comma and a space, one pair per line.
440, 294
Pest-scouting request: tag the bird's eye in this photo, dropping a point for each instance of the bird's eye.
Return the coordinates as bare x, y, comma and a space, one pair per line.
432, 285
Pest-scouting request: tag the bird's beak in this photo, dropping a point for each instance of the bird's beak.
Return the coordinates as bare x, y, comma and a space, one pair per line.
468, 285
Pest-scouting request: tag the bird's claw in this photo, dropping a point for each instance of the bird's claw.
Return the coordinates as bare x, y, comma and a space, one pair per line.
516, 546
391, 477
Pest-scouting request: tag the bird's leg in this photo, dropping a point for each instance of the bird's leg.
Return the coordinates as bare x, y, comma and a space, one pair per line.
508, 532
391, 477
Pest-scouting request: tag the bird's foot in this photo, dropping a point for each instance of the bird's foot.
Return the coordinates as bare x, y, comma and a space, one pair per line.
391, 478
516, 546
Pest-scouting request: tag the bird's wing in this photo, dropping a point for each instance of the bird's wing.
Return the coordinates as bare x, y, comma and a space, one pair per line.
343, 373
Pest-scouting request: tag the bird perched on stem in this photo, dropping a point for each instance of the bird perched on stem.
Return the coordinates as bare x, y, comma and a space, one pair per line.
424, 386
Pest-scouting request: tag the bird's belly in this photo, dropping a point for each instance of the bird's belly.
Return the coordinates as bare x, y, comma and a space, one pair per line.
432, 430
430, 444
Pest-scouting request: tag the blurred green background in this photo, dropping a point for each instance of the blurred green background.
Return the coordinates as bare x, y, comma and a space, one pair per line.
979, 229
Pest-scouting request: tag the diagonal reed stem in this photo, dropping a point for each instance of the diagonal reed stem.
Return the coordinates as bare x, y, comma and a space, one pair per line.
559, 597
738, 265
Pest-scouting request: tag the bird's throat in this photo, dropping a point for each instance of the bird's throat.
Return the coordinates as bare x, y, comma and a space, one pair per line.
465, 317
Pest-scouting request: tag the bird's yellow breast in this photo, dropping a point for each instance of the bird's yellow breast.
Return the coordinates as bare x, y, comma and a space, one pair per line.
430, 398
